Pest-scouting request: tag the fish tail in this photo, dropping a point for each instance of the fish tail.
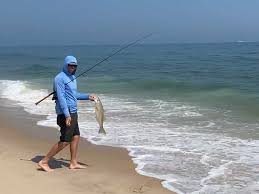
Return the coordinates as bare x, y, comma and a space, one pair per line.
101, 130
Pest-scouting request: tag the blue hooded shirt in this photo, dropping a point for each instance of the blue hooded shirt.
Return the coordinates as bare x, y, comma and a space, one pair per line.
66, 90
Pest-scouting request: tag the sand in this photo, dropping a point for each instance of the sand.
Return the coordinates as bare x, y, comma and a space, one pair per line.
23, 144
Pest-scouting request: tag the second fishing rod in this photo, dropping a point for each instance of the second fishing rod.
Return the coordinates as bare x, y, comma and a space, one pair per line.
98, 63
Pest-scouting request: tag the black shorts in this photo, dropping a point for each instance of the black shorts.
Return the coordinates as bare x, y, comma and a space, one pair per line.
68, 132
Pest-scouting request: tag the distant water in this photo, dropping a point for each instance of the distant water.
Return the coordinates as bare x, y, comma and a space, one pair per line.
188, 113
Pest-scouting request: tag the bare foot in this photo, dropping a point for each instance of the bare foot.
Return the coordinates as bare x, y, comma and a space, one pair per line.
76, 166
45, 166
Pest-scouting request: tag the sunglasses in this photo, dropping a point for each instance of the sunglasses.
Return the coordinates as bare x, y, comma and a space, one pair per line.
72, 65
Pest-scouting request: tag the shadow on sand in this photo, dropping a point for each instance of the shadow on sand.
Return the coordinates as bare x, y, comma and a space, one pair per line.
54, 163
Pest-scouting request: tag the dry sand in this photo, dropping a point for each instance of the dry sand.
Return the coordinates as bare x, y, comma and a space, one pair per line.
23, 144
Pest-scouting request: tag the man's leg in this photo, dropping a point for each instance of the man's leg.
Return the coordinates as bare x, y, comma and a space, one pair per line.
73, 152
43, 164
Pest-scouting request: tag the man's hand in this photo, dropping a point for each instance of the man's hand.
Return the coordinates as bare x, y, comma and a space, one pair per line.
92, 97
68, 121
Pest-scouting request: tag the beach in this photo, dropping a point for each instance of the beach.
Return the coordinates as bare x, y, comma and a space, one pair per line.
23, 144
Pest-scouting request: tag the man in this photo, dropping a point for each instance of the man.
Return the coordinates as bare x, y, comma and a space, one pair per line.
66, 96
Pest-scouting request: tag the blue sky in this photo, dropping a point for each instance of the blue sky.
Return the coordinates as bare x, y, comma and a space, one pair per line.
58, 22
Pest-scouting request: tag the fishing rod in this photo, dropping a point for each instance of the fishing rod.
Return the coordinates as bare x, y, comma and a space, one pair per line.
101, 61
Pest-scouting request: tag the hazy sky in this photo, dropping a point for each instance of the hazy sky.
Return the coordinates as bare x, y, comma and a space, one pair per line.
118, 21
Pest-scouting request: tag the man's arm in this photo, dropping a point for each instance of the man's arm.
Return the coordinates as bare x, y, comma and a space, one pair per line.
82, 96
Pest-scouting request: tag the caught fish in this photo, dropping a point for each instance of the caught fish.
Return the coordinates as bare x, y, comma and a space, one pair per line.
99, 114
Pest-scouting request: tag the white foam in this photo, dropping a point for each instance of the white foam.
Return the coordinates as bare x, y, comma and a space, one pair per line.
205, 159
168, 184
22, 94
50, 122
216, 172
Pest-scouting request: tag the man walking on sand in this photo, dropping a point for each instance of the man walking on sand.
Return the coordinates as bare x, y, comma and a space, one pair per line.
66, 96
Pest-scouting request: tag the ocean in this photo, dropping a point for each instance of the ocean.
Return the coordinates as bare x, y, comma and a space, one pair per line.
187, 113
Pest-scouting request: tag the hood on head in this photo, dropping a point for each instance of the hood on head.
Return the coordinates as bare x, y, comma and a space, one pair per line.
69, 60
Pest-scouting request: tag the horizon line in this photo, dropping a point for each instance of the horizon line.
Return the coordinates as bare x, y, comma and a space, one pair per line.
115, 44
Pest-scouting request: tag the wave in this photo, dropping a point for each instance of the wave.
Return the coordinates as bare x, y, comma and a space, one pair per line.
24, 94
152, 85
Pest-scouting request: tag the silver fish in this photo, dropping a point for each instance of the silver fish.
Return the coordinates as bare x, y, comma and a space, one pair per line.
99, 114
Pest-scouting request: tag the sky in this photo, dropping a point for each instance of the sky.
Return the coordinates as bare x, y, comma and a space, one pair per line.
67, 22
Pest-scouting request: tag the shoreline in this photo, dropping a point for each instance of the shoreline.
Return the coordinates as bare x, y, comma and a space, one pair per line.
24, 143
